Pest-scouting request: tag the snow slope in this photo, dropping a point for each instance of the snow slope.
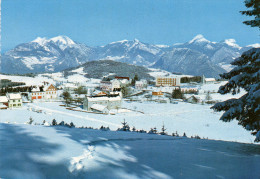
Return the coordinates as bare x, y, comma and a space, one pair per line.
193, 119
29, 151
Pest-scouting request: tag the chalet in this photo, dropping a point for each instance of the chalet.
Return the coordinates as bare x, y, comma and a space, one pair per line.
43, 93
15, 100
37, 93
102, 102
113, 85
3, 102
141, 84
167, 81
208, 80
193, 99
50, 92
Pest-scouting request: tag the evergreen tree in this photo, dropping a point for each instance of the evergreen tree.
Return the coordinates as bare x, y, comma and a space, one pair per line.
125, 127
54, 122
135, 79
125, 91
254, 11
163, 130
30, 121
72, 125
245, 109
66, 95
177, 94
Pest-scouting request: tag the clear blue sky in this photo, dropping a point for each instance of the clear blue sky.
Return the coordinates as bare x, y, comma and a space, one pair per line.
98, 22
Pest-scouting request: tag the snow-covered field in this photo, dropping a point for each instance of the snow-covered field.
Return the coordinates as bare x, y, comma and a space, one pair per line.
37, 151
29, 151
193, 119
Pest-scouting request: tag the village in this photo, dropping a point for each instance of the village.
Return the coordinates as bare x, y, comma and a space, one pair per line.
105, 96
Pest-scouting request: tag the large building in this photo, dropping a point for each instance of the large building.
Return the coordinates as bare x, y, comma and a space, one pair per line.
14, 100
168, 81
102, 103
44, 93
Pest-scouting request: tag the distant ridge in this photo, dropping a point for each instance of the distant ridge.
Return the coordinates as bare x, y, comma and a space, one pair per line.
61, 52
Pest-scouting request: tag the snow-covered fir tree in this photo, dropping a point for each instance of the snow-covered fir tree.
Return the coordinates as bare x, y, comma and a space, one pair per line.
54, 122
245, 109
163, 130
254, 10
125, 127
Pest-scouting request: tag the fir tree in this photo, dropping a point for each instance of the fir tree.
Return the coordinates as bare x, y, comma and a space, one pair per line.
245, 109
125, 127
30, 121
177, 94
254, 11
71, 124
184, 134
163, 130
54, 122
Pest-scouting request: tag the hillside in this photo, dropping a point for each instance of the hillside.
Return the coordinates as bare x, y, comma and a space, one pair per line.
109, 68
29, 151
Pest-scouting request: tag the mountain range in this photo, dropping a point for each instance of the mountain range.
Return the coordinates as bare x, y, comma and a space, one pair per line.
196, 57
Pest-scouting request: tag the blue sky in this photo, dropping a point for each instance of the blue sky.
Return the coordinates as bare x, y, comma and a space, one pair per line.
98, 22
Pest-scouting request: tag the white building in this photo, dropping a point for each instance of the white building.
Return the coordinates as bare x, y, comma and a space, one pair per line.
14, 100
141, 84
96, 102
208, 80
43, 93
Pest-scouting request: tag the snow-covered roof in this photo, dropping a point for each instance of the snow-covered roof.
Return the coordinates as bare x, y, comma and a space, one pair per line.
3, 99
105, 98
3, 106
210, 79
98, 107
14, 96
36, 89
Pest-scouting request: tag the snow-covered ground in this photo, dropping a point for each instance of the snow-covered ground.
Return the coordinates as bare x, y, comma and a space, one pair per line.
193, 119
29, 151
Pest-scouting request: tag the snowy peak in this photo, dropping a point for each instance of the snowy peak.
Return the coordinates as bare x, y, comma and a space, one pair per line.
198, 39
256, 45
61, 41
232, 43
119, 42
40, 41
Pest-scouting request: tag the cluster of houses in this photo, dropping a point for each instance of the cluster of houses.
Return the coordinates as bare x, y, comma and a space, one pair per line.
48, 92
42, 93
109, 97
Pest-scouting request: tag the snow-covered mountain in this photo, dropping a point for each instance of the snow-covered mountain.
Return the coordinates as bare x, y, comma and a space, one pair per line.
201, 56
45, 55
196, 57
